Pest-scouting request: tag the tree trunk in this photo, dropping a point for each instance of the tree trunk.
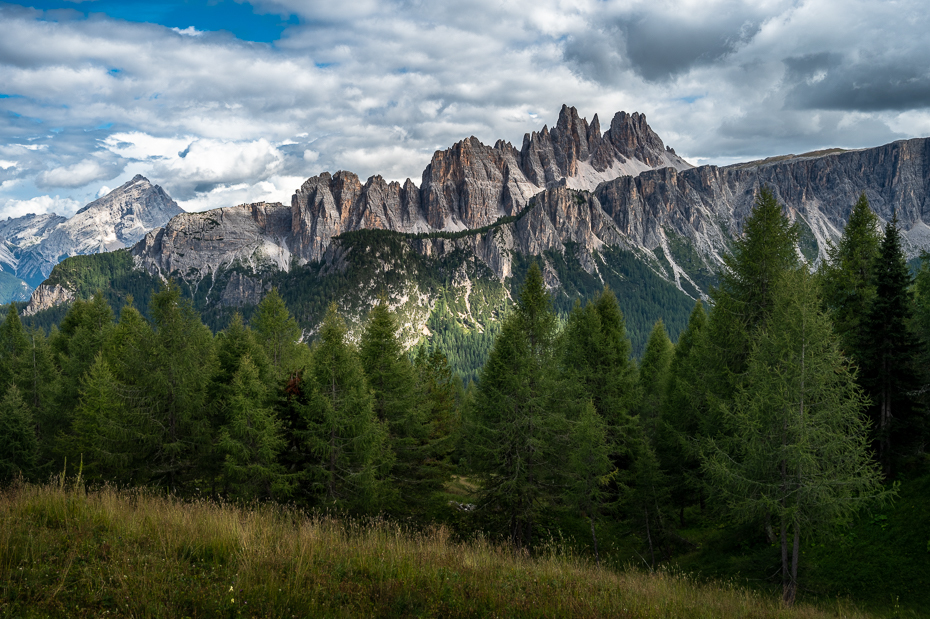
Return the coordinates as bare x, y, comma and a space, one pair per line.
785, 578
597, 557
652, 554
791, 590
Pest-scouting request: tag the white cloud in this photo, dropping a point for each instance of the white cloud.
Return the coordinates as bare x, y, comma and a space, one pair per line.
104, 190
77, 175
190, 31
377, 86
40, 205
6, 165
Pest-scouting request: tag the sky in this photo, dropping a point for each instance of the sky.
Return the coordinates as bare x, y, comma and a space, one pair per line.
223, 102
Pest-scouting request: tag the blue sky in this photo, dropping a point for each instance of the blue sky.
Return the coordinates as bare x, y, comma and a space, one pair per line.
223, 102
238, 18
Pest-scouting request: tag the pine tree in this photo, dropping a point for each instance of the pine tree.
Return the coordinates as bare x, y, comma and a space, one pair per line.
18, 445
253, 438
14, 346
169, 373
391, 378
595, 360
514, 425
889, 348
799, 458
350, 454
439, 392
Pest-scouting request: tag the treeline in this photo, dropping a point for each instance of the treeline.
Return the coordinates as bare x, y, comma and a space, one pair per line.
787, 405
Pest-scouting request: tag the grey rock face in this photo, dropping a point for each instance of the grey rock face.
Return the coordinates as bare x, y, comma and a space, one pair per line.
471, 185
194, 245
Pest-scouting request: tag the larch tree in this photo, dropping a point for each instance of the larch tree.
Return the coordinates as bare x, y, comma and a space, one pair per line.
743, 300
252, 438
513, 425
19, 447
391, 377
682, 414
350, 456
800, 455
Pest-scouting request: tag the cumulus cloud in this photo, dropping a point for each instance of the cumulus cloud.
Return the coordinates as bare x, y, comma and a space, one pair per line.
40, 205
77, 175
376, 86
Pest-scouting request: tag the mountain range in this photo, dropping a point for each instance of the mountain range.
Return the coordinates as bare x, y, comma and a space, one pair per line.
617, 207
31, 245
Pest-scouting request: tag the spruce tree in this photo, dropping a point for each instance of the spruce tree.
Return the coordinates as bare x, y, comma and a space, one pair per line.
514, 425
595, 361
252, 439
393, 385
14, 347
278, 332
18, 445
847, 276
654, 376
889, 348
799, 457
169, 375
102, 435
439, 392
348, 444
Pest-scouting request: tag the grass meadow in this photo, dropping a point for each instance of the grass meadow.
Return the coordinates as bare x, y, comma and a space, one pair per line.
68, 552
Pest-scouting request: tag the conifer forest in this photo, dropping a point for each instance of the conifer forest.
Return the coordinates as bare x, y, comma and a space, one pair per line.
793, 408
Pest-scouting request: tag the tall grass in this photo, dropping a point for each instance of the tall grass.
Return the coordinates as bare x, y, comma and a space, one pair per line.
67, 552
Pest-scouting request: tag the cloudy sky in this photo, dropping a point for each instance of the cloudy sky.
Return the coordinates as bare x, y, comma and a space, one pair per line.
228, 101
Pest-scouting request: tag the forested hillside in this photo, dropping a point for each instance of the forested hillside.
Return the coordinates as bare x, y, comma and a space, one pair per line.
793, 407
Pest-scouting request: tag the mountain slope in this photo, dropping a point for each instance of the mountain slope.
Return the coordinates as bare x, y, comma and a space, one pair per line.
451, 252
30, 246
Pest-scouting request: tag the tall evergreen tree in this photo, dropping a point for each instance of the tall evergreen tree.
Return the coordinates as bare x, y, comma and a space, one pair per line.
18, 445
350, 454
889, 347
170, 379
102, 435
393, 385
589, 468
654, 376
278, 332
252, 439
847, 276
799, 457
744, 298
682, 414
514, 426
595, 361
14, 347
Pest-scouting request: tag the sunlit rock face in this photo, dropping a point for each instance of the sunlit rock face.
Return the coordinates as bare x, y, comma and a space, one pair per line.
36, 243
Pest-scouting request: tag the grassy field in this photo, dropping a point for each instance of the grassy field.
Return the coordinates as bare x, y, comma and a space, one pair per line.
65, 552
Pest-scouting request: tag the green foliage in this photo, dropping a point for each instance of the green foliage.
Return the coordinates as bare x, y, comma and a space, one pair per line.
347, 444
847, 276
18, 445
798, 454
252, 439
278, 332
654, 376
513, 424
890, 351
